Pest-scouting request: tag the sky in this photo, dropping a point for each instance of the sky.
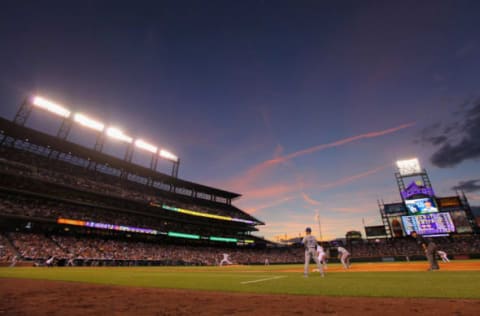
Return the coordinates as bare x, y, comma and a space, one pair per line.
302, 107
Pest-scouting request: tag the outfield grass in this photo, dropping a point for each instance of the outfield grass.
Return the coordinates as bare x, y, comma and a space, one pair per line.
270, 279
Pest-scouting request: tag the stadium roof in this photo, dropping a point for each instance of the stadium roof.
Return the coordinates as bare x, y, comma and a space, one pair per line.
17, 131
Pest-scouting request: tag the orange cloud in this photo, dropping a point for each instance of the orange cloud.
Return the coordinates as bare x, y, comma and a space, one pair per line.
277, 193
309, 200
252, 210
271, 191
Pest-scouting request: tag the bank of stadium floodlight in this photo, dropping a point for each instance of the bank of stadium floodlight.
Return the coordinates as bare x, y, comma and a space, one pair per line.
51, 107
140, 143
88, 122
118, 134
168, 155
408, 167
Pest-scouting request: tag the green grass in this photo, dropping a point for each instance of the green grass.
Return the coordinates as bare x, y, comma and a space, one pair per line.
439, 284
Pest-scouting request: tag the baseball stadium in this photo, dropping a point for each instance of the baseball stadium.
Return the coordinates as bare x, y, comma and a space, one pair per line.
85, 231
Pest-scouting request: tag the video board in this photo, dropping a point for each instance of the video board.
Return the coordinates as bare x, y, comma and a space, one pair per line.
428, 224
421, 206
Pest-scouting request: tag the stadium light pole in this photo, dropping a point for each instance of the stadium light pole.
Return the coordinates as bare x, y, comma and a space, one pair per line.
88, 122
56, 109
50, 106
96, 126
317, 217
119, 135
174, 159
140, 143
23, 112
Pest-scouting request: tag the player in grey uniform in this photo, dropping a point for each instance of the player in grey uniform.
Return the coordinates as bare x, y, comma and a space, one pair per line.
310, 243
344, 256
443, 255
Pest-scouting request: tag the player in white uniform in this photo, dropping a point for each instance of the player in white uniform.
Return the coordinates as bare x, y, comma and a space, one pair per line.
344, 256
443, 255
310, 244
322, 256
225, 259
49, 262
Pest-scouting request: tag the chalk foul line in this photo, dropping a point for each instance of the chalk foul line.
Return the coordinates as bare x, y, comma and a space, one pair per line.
262, 280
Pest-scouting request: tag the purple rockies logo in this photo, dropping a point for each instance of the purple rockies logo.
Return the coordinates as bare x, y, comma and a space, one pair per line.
414, 189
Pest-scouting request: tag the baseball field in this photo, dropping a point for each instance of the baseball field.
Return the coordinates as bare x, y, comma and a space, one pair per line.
365, 289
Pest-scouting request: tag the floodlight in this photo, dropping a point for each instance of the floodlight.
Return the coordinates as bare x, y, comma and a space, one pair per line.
88, 122
50, 106
144, 145
408, 167
168, 155
118, 134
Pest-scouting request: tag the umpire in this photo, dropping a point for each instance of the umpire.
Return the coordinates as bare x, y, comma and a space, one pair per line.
430, 249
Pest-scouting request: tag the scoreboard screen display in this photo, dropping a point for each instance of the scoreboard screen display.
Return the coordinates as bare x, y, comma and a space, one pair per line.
428, 224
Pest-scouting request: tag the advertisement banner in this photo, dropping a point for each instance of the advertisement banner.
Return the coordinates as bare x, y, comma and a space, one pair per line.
449, 201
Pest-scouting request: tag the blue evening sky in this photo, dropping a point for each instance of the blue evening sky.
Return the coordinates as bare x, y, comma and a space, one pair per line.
300, 106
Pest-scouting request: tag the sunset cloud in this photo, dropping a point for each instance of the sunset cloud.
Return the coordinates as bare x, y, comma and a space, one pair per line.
337, 143
252, 175
309, 200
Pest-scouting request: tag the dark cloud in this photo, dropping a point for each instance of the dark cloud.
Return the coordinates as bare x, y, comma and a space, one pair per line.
468, 186
455, 141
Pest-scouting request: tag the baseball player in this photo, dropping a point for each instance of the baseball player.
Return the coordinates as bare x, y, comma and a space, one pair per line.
322, 257
344, 256
225, 259
443, 255
49, 262
429, 247
14, 261
310, 244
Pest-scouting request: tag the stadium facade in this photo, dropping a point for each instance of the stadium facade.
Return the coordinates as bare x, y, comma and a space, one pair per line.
51, 185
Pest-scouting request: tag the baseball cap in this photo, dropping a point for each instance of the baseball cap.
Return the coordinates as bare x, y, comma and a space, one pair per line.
308, 230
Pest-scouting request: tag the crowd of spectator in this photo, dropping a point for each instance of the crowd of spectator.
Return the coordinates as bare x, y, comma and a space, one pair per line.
39, 247
58, 171
6, 253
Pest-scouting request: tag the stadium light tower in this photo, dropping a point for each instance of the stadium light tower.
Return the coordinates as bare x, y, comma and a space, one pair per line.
26, 107
58, 110
174, 159
88, 122
317, 217
140, 143
51, 107
116, 133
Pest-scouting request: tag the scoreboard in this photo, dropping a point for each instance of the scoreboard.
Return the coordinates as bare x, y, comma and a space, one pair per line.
428, 224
